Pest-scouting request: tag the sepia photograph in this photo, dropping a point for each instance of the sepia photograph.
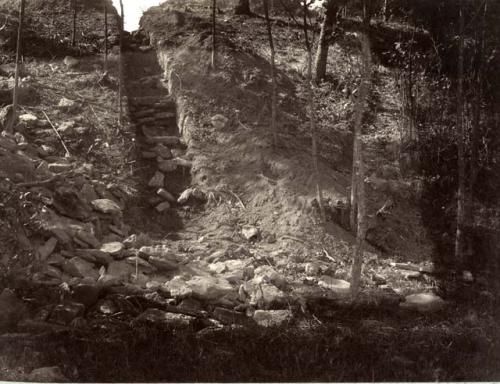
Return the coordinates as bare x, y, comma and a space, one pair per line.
249, 191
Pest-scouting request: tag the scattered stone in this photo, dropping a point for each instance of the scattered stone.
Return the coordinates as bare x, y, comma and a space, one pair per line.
88, 238
265, 296
338, 286
29, 119
130, 241
108, 281
46, 250
66, 126
106, 206
467, 276
148, 155
64, 314
219, 121
60, 167
94, 256
12, 310
71, 62
167, 140
163, 151
114, 248
167, 166
171, 320
423, 302
166, 195
190, 305
56, 259
47, 375
250, 232
157, 181
227, 316
67, 104
140, 279
218, 267
209, 287
406, 266
86, 294
158, 251
272, 318
428, 269
107, 307
78, 267
79, 323
267, 274
45, 150
177, 288
6, 116
145, 48
182, 162
163, 206
68, 202
116, 230
189, 193
142, 265
120, 270
162, 264
88, 193
412, 275
379, 279
312, 269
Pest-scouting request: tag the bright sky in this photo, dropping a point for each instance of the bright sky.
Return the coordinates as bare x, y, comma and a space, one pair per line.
133, 10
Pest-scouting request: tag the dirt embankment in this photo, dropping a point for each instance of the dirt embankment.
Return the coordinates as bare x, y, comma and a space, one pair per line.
49, 25
240, 157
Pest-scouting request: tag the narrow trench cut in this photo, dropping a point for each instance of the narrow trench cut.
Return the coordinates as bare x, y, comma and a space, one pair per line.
160, 179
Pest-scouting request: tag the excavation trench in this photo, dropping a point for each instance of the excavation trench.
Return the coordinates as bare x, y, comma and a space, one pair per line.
152, 112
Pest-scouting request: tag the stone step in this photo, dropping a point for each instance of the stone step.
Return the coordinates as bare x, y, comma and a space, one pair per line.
150, 100
143, 113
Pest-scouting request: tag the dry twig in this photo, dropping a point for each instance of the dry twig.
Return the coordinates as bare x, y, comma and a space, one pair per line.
57, 133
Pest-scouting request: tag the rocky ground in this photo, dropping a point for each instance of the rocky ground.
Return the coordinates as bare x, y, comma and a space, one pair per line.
126, 242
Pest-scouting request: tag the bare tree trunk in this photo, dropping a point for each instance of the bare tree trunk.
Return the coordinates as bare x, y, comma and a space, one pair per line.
242, 8
324, 40
120, 90
75, 13
214, 33
312, 120
359, 113
359, 176
274, 106
384, 11
459, 239
15, 101
105, 36
476, 113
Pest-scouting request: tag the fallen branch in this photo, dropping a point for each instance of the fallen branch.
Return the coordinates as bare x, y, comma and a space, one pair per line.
57, 133
40, 182
327, 255
237, 198
293, 238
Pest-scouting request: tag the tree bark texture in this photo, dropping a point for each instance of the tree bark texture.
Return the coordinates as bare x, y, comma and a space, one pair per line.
325, 35
105, 36
242, 8
459, 238
120, 88
359, 175
214, 33
274, 127
75, 15
312, 120
15, 101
